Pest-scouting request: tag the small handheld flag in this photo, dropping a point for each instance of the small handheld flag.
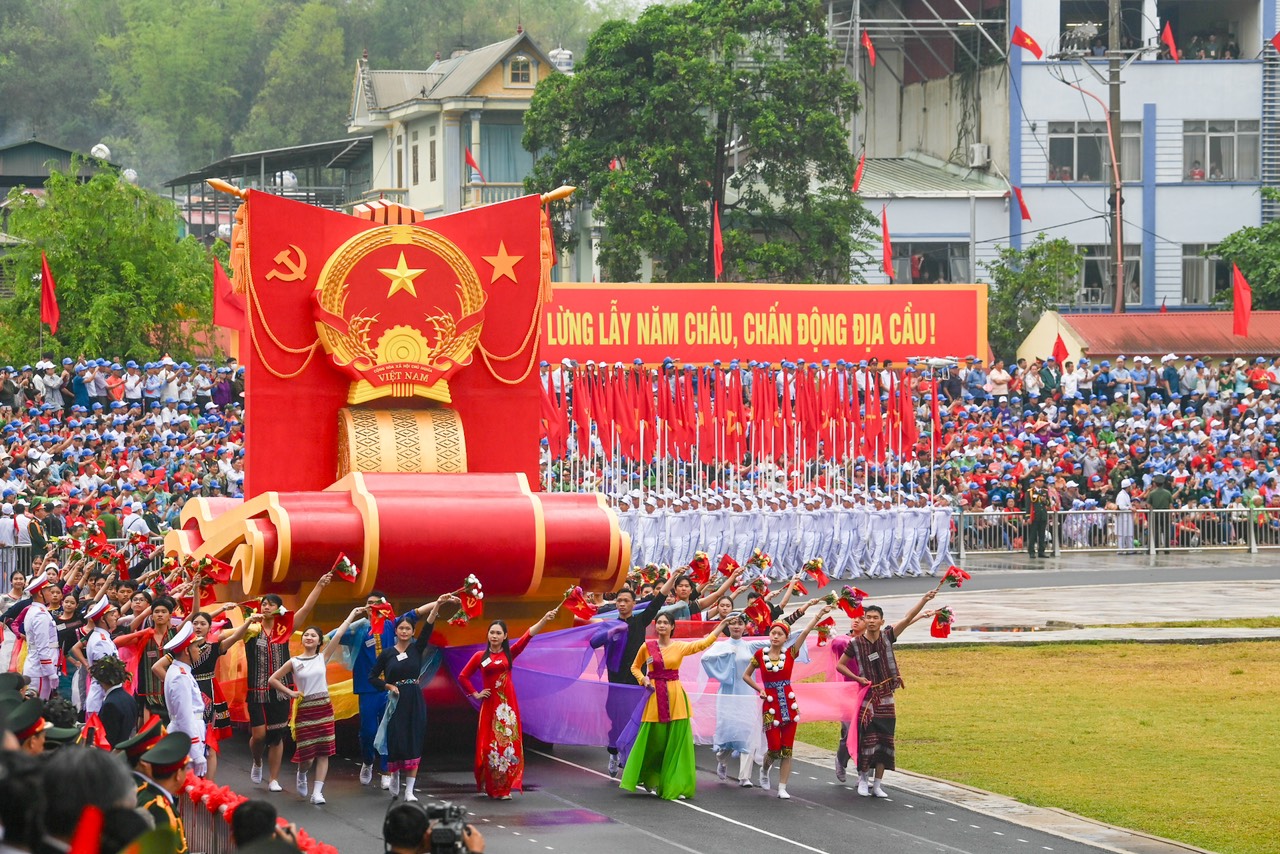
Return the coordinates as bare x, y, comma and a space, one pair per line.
345, 569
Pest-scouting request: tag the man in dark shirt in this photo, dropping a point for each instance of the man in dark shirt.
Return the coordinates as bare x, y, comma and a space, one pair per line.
621, 646
1037, 507
1160, 499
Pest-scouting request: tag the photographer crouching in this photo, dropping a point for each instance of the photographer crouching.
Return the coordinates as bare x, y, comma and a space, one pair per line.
436, 828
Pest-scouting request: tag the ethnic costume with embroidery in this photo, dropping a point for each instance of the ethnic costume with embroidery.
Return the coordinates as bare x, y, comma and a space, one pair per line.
362, 643
878, 716
143, 652
781, 711
265, 653
404, 723
738, 730
662, 757
217, 714
313, 722
499, 741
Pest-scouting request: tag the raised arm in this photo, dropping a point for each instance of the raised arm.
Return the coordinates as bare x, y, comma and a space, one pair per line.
541, 624
704, 601
900, 626
788, 592
304, 611
335, 640
804, 633
238, 634
433, 608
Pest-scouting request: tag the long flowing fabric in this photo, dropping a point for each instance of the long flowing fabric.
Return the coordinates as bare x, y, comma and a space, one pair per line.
565, 695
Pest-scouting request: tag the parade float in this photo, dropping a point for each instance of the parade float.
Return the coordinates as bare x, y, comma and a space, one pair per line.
392, 414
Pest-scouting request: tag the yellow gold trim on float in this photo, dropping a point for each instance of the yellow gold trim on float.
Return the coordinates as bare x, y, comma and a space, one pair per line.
367, 505
416, 441
539, 534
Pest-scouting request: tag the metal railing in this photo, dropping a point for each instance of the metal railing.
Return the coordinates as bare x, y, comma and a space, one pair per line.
476, 194
1122, 532
20, 557
207, 832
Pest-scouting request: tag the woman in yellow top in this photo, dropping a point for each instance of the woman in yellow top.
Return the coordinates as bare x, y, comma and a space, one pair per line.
662, 757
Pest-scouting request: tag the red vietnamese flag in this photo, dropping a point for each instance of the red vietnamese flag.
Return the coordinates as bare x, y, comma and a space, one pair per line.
1241, 302
1060, 350
48, 297
1023, 40
934, 413
1166, 36
887, 245
1164, 305
1022, 204
873, 423
870, 48
717, 240
1275, 42
471, 161
857, 173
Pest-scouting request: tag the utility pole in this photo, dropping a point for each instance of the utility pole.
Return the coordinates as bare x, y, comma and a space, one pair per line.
1115, 63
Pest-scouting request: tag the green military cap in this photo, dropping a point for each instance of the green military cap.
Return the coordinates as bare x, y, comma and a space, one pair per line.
145, 739
11, 681
60, 735
27, 718
169, 753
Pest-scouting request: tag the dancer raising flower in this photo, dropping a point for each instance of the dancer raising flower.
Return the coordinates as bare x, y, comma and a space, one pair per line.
499, 743
662, 757
314, 713
781, 711
404, 724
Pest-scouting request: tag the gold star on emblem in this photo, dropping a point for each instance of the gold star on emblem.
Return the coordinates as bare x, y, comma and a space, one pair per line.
503, 264
401, 277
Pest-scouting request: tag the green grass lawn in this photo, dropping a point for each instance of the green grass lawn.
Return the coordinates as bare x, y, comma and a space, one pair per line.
1178, 740
1238, 623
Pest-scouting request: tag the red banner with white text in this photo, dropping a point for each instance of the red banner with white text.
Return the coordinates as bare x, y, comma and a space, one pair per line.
769, 323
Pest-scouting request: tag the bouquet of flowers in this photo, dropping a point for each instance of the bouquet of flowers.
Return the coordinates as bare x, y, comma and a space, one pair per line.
824, 629
760, 560
813, 568
850, 601
941, 626
142, 543
955, 576
472, 595
345, 569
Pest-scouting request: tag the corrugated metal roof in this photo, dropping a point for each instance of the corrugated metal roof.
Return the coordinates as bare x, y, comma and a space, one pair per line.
920, 176
1183, 333
391, 88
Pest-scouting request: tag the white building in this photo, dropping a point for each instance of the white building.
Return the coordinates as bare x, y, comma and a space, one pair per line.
1198, 137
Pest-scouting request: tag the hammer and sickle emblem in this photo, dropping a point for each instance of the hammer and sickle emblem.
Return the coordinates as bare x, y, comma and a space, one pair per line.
297, 270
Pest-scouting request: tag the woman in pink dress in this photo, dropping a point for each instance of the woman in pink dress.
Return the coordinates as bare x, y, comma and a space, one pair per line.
499, 744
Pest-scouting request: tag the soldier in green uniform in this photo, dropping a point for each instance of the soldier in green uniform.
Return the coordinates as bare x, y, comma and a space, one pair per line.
147, 737
1038, 515
159, 795
1160, 498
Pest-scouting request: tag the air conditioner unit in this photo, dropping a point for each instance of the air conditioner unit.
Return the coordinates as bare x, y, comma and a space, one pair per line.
979, 155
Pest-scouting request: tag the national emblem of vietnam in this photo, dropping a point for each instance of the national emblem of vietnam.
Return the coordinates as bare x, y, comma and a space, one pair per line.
399, 308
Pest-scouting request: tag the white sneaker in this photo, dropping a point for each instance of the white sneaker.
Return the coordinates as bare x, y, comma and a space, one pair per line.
764, 779
274, 786
877, 790
366, 775
386, 782
302, 784
782, 792
864, 788
613, 765
317, 799
395, 785
410, 797
746, 784
255, 773
722, 771
840, 772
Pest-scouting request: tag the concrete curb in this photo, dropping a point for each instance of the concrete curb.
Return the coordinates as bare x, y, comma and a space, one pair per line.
1053, 821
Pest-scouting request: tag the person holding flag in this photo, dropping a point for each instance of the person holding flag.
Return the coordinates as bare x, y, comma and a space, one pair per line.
313, 710
266, 651
499, 765
364, 640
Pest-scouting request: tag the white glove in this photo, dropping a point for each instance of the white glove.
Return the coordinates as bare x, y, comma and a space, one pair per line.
200, 767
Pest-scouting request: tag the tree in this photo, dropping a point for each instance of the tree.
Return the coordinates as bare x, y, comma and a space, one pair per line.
1256, 251
740, 103
308, 84
127, 285
1025, 283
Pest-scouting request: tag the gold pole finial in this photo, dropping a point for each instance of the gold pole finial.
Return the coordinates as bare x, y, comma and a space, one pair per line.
223, 187
561, 192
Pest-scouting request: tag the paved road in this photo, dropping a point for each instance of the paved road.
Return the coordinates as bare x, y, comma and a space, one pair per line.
570, 806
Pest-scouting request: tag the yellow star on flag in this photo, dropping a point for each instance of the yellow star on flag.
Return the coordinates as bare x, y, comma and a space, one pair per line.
401, 277
503, 264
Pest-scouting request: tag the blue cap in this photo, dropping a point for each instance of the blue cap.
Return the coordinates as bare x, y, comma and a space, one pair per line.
68, 360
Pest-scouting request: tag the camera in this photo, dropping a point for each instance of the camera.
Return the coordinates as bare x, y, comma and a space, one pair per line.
447, 823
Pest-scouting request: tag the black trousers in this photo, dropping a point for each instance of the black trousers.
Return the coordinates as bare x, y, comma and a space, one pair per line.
1036, 535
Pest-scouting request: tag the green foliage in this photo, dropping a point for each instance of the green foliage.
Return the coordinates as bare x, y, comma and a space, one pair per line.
126, 285
1025, 283
743, 102
171, 85
1256, 251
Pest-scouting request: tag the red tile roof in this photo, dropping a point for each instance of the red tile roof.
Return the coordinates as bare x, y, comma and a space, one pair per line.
1197, 333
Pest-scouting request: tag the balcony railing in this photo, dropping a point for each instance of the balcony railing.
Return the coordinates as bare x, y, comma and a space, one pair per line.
476, 194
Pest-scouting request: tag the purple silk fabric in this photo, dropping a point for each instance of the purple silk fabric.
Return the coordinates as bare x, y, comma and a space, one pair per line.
566, 698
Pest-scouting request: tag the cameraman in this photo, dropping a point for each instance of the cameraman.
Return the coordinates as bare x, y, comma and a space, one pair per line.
407, 830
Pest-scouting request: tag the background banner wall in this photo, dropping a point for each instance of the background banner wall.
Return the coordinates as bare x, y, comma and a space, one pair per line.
700, 323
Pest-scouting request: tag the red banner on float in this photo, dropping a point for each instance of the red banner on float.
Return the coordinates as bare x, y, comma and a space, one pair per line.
701, 323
